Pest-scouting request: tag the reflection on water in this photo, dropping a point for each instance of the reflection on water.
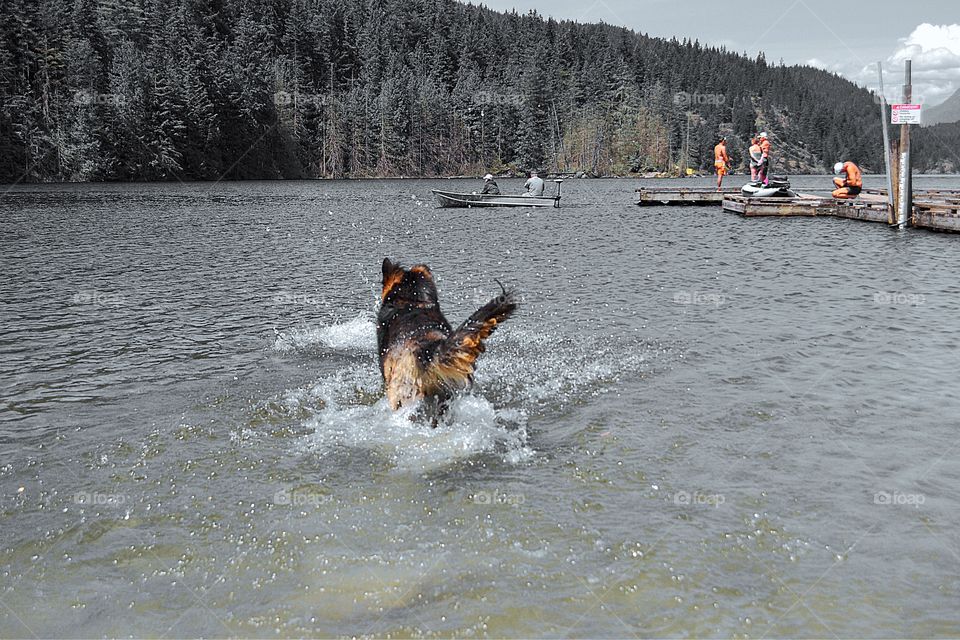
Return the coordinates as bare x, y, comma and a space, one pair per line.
697, 425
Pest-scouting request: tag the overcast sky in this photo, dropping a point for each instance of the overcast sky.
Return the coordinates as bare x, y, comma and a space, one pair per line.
845, 37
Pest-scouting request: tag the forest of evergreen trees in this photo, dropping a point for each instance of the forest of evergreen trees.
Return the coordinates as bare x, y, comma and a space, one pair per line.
936, 149
204, 89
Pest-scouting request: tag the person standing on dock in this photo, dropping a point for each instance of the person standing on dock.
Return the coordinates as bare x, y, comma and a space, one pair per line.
534, 185
851, 183
764, 167
756, 156
721, 160
490, 187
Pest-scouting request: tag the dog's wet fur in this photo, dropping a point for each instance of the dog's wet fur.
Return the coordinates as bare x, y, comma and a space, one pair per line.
421, 356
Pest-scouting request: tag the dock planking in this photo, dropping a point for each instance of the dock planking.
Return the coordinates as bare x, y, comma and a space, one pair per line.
935, 209
803, 205
863, 210
938, 216
658, 196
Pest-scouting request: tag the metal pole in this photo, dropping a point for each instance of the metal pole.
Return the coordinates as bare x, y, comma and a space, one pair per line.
906, 191
886, 140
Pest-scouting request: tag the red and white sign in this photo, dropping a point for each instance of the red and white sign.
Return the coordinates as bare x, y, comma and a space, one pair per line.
905, 113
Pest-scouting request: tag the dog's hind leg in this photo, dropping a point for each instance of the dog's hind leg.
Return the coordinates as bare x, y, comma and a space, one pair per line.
433, 409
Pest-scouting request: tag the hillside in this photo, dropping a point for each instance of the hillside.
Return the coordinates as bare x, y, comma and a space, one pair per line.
943, 113
937, 149
204, 89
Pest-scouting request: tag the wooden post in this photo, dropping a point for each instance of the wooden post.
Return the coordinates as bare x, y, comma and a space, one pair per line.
895, 184
906, 192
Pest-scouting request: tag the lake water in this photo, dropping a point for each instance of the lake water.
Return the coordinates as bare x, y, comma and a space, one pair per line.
697, 424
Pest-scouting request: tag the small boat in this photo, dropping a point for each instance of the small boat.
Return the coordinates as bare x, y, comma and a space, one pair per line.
452, 199
776, 187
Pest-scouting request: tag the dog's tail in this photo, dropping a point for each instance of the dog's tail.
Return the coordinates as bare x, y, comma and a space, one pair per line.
455, 360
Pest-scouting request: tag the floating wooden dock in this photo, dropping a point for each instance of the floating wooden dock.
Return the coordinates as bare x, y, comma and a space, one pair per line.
870, 210
942, 215
871, 207
803, 205
935, 209
658, 196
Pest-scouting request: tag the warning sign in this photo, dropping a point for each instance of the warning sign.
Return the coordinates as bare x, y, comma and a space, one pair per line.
905, 113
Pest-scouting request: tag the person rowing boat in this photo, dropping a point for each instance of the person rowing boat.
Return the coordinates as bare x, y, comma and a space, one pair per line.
533, 186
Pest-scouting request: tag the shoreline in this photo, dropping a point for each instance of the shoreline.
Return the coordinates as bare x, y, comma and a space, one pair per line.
9, 186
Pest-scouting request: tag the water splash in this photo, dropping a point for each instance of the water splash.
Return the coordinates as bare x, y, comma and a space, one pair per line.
472, 427
541, 371
355, 335
524, 373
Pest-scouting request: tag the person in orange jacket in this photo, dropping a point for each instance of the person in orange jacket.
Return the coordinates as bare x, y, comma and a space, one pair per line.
764, 167
851, 183
756, 155
721, 160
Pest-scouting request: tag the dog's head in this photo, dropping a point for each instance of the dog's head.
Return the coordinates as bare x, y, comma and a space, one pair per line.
413, 287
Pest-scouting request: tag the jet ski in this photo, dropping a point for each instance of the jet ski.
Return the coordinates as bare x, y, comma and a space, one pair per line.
776, 187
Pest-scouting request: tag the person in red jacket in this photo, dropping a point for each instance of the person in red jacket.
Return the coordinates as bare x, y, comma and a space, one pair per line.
851, 183
721, 161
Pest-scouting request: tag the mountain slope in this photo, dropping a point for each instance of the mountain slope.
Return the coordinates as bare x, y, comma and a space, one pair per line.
204, 89
937, 148
945, 112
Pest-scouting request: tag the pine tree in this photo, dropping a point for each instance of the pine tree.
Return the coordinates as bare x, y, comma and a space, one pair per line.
177, 89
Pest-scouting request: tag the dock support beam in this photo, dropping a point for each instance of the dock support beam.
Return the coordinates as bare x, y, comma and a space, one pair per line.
906, 173
894, 195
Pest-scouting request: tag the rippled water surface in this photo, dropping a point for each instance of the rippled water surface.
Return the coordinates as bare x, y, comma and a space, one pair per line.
697, 425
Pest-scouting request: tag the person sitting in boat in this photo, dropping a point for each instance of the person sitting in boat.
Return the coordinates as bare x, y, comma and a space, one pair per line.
490, 187
851, 183
764, 167
756, 157
721, 160
534, 186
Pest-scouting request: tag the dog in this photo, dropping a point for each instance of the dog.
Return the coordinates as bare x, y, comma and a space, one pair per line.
421, 356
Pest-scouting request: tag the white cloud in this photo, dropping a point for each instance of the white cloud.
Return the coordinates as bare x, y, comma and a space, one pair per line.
935, 54
817, 63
